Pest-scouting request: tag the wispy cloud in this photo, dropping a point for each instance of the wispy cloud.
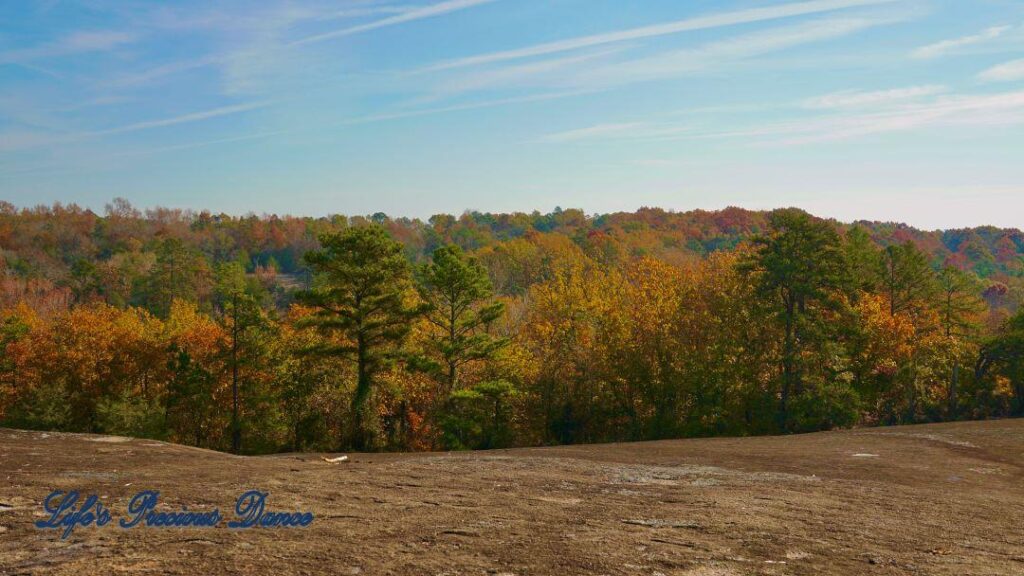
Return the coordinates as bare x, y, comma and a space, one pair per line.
466, 106
203, 143
163, 70
263, 31
401, 18
954, 110
602, 70
950, 46
960, 110
363, 11
857, 99
597, 131
95, 103
675, 27
542, 72
225, 17
181, 119
676, 63
12, 141
15, 141
1006, 72
619, 131
76, 43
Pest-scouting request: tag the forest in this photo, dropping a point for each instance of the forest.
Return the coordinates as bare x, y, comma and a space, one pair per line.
263, 333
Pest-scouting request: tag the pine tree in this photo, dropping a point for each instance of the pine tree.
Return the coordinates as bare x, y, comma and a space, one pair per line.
960, 302
797, 269
458, 294
360, 293
862, 260
247, 327
907, 278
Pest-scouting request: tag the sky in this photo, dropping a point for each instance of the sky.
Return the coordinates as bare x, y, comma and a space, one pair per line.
895, 110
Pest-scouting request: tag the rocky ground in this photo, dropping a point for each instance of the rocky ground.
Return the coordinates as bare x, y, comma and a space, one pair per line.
935, 499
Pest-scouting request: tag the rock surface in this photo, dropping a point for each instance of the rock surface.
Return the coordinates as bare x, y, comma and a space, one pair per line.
935, 499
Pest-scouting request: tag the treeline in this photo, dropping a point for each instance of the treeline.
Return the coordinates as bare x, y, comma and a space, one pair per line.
262, 334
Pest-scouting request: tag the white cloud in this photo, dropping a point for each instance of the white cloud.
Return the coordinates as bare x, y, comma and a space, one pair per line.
602, 70
163, 70
856, 99
954, 110
621, 131
1006, 72
549, 71
359, 12
948, 46
257, 47
202, 143
711, 56
467, 106
401, 18
600, 130
182, 119
12, 141
76, 43
687, 25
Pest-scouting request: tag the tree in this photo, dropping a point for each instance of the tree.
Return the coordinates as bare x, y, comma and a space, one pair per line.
647, 360
361, 293
246, 324
960, 302
479, 417
192, 412
574, 323
730, 353
881, 345
862, 260
907, 278
797, 268
910, 285
1004, 354
959, 309
14, 327
85, 280
180, 273
458, 294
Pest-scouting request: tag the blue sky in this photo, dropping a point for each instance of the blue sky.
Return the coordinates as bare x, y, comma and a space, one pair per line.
909, 110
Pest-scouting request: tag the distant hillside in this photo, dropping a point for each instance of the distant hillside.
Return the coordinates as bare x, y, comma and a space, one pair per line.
63, 244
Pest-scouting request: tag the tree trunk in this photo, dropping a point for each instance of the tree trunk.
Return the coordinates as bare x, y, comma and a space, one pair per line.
953, 385
236, 432
453, 374
787, 365
362, 393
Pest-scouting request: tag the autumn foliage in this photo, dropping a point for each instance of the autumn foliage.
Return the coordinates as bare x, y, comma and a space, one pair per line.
491, 330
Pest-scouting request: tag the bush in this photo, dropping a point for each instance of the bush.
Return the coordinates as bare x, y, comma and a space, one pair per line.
45, 407
824, 406
129, 415
479, 417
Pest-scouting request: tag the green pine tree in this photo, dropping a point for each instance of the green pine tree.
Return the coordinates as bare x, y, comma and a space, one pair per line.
360, 293
797, 269
460, 306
